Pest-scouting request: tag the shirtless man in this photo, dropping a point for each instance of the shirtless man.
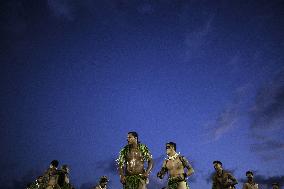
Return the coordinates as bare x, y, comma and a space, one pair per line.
131, 163
52, 183
63, 177
174, 165
222, 179
275, 186
37, 184
250, 184
102, 184
50, 172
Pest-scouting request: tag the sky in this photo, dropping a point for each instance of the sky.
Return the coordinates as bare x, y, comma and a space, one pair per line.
78, 75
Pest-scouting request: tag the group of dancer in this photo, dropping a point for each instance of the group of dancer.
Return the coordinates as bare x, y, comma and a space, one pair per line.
135, 164
53, 178
134, 175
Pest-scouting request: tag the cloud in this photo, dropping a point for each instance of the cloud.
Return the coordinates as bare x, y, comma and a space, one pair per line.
196, 39
268, 109
108, 166
267, 119
268, 145
227, 119
266, 114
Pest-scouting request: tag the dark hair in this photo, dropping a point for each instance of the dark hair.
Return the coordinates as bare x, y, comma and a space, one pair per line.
172, 144
275, 184
217, 161
249, 172
54, 163
135, 134
103, 179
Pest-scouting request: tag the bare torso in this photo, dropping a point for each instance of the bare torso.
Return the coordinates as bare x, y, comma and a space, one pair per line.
134, 162
175, 167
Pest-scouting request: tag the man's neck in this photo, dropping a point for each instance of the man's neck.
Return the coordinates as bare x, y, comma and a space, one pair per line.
250, 181
220, 172
134, 145
172, 154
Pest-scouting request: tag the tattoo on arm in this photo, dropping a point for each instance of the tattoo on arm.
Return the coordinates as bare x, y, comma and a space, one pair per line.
163, 171
187, 165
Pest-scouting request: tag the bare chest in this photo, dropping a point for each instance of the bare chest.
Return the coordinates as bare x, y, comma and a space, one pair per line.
251, 185
134, 154
174, 164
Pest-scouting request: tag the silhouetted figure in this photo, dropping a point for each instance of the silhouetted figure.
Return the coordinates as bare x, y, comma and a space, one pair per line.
38, 184
63, 177
250, 184
222, 179
174, 165
50, 172
28, 186
102, 183
275, 186
131, 163
52, 183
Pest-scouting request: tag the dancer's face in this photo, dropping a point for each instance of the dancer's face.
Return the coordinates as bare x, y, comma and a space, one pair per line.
249, 176
218, 167
170, 149
131, 139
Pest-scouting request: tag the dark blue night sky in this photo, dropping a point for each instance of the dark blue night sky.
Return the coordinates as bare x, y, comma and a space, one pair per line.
77, 75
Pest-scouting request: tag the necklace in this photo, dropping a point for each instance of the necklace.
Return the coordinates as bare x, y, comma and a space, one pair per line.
173, 157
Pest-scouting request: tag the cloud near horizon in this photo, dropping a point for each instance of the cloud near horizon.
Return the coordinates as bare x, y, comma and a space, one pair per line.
267, 119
